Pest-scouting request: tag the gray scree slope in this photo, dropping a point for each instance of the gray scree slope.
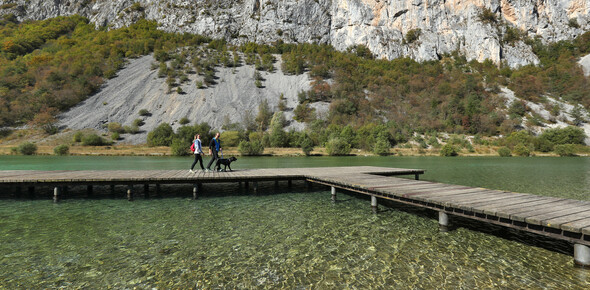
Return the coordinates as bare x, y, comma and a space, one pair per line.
137, 87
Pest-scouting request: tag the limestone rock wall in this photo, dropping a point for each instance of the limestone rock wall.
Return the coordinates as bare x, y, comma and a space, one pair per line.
382, 25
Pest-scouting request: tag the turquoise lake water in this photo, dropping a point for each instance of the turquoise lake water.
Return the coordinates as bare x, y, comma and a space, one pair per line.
281, 239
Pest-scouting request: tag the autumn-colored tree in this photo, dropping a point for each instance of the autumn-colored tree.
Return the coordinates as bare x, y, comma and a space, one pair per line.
45, 119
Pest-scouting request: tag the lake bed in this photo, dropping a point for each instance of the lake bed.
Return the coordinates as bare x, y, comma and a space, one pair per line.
279, 239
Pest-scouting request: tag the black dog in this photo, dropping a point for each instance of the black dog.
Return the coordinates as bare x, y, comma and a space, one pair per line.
226, 162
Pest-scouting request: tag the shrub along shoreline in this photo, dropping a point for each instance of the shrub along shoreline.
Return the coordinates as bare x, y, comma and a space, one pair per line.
164, 141
144, 150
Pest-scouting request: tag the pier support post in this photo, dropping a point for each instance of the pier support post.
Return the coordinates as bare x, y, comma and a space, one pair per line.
276, 184
146, 190
289, 183
443, 221
334, 194
130, 192
112, 186
158, 190
581, 256
374, 203
31, 191
64, 191
89, 190
56, 194
308, 186
246, 185
195, 191
417, 176
255, 185
18, 191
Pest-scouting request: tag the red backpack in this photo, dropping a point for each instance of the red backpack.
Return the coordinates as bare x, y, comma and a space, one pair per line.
193, 147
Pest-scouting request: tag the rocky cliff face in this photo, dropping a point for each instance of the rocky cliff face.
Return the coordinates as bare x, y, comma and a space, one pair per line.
420, 29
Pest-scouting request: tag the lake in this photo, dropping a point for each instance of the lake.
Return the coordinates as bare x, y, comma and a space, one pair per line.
285, 238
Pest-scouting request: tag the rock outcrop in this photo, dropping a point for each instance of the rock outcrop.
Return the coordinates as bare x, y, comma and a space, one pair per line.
436, 27
563, 119
585, 64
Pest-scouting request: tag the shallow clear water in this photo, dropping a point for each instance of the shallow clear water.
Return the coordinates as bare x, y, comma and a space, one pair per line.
230, 239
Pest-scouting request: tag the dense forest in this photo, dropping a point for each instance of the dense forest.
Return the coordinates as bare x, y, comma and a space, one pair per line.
49, 66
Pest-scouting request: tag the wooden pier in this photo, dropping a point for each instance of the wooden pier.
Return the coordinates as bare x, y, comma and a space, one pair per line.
557, 218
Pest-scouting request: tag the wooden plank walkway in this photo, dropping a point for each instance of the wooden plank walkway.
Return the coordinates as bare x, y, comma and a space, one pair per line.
97, 177
558, 218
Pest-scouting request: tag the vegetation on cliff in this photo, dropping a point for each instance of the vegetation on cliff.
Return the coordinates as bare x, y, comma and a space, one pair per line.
49, 66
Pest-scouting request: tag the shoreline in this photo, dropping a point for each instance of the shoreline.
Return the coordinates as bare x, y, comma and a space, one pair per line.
144, 150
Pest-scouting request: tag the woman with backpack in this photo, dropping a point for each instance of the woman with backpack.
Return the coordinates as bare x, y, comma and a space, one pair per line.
197, 149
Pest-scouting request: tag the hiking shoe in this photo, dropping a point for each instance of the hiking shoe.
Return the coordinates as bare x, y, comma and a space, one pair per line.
191, 171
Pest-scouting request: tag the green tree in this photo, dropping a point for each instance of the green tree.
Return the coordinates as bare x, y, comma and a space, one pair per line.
77, 137
131, 129
337, 147
230, 138
381, 147
565, 150
264, 115
577, 115
268, 61
205, 130
163, 70
522, 150
144, 113
543, 144
184, 121
61, 150
115, 127
137, 123
518, 137
567, 135
348, 135
180, 147
250, 148
487, 16
293, 63
448, 150
282, 102
412, 35
303, 113
27, 148
93, 140
306, 144
161, 135
504, 152
517, 109
278, 137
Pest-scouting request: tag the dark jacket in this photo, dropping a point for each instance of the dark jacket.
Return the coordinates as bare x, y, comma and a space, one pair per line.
214, 146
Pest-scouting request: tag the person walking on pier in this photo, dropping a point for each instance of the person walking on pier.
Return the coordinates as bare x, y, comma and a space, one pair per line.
214, 150
198, 153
